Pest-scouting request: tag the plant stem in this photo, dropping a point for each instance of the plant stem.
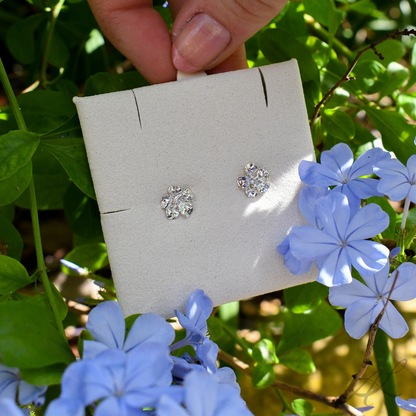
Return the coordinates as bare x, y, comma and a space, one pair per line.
33, 206
322, 33
386, 373
54, 16
286, 405
405, 212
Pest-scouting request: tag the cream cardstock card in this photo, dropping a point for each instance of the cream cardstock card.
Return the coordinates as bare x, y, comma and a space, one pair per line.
198, 133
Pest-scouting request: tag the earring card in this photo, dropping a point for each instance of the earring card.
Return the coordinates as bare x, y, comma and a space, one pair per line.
199, 133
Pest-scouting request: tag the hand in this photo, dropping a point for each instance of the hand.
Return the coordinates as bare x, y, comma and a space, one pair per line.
206, 34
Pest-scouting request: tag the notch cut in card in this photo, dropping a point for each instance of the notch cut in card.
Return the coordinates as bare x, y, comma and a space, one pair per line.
198, 133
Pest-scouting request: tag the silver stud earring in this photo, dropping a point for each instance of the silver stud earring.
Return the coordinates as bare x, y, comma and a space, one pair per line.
255, 181
177, 201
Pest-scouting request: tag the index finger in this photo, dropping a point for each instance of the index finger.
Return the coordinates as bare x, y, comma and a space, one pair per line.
139, 33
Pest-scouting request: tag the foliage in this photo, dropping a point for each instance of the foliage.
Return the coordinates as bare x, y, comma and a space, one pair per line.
54, 50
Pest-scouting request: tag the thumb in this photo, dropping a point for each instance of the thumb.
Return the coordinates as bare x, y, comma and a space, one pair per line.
206, 32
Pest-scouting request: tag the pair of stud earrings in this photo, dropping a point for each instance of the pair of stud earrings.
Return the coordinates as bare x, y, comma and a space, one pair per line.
179, 201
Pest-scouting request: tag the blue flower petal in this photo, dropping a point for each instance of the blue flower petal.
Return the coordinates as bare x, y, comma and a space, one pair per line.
345, 295
295, 266
363, 166
283, 247
339, 160
168, 407
409, 405
308, 197
354, 202
201, 394
92, 349
8, 407
367, 257
28, 393
334, 213
308, 243
392, 323
405, 287
336, 269
106, 324
365, 187
412, 193
367, 222
411, 168
390, 167
358, 317
149, 327
315, 174
377, 281
395, 187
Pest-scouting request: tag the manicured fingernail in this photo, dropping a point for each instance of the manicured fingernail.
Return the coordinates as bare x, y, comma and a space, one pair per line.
199, 43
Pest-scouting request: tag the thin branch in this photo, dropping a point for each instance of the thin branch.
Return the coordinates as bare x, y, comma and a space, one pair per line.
335, 402
329, 401
346, 76
366, 361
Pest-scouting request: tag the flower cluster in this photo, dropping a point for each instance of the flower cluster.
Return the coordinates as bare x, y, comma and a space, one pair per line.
340, 234
137, 375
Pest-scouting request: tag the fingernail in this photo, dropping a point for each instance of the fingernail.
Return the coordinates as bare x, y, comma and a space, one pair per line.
199, 43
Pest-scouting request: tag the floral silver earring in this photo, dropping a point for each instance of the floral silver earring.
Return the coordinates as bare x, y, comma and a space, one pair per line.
178, 201
255, 181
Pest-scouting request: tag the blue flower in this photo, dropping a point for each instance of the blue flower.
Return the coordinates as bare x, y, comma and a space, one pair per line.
11, 383
364, 303
409, 405
106, 324
8, 407
122, 383
205, 360
204, 397
308, 197
198, 310
338, 168
343, 240
397, 181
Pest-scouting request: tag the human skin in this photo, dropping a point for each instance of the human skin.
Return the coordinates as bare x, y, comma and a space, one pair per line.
206, 34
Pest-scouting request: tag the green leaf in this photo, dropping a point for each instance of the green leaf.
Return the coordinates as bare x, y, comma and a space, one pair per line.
7, 211
263, 376
370, 76
364, 7
13, 187
90, 256
304, 329
397, 135
20, 38
338, 124
28, 339
72, 155
103, 82
305, 297
389, 232
43, 300
11, 237
66, 86
396, 76
43, 111
215, 328
44, 163
13, 275
362, 135
392, 50
16, 150
264, 352
408, 103
81, 213
302, 407
318, 9
278, 46
45, 376
50, 191
299, 361
58, 53
412, 79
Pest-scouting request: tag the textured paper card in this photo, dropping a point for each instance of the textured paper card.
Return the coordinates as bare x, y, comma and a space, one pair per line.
198, 132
